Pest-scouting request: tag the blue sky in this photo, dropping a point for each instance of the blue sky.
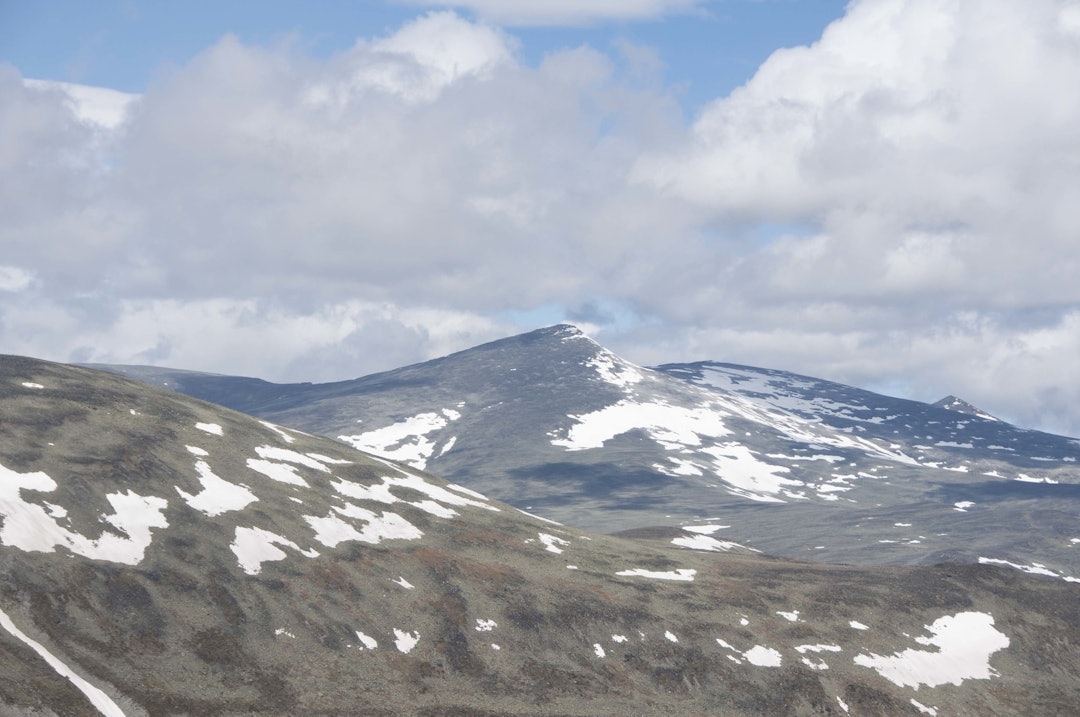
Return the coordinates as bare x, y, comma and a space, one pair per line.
706, 51
879, 192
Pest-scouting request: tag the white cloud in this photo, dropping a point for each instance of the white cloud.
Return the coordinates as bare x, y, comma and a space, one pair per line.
325, 343
891, 206
12, 278
94, 106
566, 12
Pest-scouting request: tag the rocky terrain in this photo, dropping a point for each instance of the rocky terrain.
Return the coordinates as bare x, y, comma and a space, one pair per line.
555, 424
166, 556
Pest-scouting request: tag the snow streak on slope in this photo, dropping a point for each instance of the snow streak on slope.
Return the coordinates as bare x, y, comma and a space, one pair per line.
99, 699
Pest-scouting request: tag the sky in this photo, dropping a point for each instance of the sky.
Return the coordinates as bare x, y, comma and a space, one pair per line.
878, 192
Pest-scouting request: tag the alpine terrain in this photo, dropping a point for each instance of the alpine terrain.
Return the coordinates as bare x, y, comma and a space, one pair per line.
166, 556
555, 424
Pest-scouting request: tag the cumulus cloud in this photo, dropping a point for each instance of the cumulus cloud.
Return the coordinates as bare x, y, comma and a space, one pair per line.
566, 12
892, 206
922, 163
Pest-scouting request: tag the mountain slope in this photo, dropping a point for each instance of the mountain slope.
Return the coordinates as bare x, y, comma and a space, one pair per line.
552, 422
166, 556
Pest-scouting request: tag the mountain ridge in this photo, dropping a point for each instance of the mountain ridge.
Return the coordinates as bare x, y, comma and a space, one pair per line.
164, 555
554, 423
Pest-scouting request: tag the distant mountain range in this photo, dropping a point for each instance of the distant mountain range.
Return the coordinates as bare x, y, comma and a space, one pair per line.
166, 556
555, 424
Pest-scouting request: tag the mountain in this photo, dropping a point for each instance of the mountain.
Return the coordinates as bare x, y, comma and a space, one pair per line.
553, 423
958, 404
166, 556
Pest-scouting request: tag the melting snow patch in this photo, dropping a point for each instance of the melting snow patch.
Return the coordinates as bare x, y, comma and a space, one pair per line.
752, 478
856, 625
704, 529
1033, 569
278, 430
274, 453
217, 495
932, 711
670, 636
406, 440
403, 583
965, 642
366, 640
614, 370
282, 631
962, 506
674, 427
255, 546
763, 656
99, 699
705, 542
485, 625
196, 451
382, 494
31, 384
331, 529
29, 527
539, 517
328, 460
619, 638
801, 649
599, 650
211, 428
405, 641
280, 472
792, 616
466, 491
552, 542
843, 705
685, 574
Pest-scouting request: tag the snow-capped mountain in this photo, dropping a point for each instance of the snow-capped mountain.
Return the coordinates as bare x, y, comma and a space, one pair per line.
163, 556
553, 423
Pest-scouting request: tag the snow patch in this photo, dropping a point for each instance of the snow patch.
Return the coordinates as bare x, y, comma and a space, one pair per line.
552, 542
30, 527
279, 430
405, 641
964, 643
684, 574
704, 529
211, 428
255, 546
217, 495
406, 440
332, 529
763, 656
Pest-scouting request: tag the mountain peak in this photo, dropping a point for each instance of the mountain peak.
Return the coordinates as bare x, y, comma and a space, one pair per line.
955, 403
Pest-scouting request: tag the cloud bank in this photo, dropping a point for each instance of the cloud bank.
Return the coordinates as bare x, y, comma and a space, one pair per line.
892, 206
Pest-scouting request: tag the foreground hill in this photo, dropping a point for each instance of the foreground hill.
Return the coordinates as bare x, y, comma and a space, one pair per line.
165, 556
552, 422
